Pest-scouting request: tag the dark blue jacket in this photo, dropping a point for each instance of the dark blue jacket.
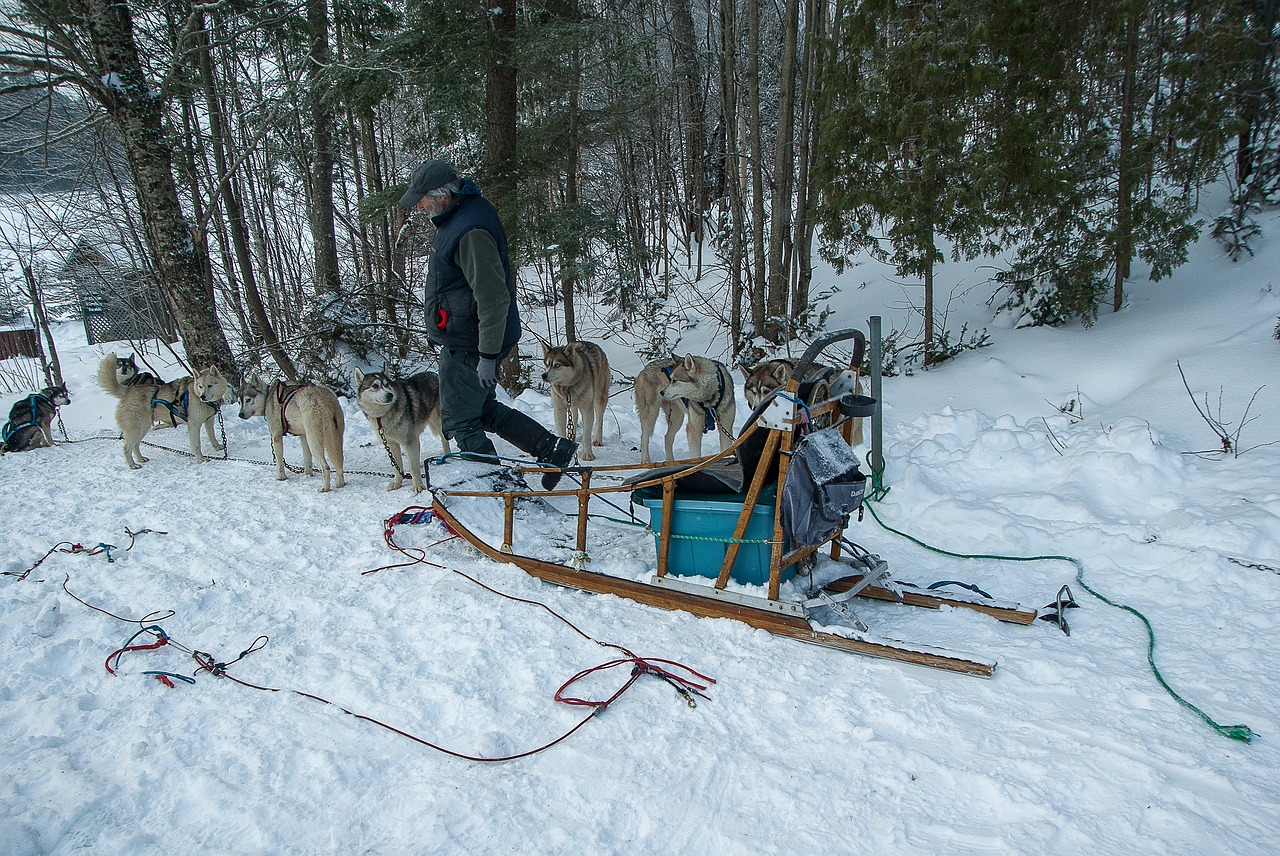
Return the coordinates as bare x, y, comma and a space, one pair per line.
453, 316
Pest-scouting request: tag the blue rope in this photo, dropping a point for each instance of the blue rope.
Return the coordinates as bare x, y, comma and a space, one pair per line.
970, 586
184, 678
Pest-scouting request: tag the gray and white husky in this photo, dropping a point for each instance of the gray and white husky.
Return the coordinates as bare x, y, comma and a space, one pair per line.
768, 376
31, 420
304, 410
399, 409
192, 401
579, 376
697, 391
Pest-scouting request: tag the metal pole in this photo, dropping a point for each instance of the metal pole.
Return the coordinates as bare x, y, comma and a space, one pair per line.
877, 427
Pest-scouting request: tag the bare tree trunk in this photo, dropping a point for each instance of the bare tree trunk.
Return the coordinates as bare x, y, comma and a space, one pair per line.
53, 370
783, 179
816, 37
233, 210
928, 301
132, 105
695, 134
569, 273
756, 165
322, 219
1126, 166
500, 110
733, 168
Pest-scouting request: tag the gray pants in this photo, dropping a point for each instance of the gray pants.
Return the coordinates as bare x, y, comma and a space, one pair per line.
469, 412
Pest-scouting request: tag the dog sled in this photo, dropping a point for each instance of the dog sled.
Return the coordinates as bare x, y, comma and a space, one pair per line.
738, 534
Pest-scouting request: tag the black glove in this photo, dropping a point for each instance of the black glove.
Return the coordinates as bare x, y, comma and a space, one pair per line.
487, 371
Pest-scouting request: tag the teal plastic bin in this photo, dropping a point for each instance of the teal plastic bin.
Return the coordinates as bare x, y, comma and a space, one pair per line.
710, 519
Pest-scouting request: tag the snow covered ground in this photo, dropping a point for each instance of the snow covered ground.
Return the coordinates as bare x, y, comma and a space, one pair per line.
1072, 747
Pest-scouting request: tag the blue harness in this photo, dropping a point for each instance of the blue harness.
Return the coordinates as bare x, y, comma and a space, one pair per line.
708, 411
177, 409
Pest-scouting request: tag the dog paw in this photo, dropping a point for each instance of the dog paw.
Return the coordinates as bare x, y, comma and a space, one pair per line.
323, 490
135, 466
395, 485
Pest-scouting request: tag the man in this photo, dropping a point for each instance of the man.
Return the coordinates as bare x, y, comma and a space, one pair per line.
472, 315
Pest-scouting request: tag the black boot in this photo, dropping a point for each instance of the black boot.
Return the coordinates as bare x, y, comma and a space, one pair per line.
557, 453
547, 449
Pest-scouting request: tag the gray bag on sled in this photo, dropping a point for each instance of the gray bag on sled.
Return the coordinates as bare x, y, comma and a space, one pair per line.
823, 487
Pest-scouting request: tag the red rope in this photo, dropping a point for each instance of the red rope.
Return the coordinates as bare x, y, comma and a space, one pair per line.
115, 655
688, 684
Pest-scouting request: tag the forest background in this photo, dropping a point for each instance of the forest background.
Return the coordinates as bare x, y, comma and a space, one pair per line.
245, 158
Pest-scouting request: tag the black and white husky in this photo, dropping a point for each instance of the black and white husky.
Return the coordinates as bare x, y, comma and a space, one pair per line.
127, 373
399, 410
31, 420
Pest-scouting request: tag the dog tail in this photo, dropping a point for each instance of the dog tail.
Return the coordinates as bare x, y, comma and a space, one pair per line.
107, 376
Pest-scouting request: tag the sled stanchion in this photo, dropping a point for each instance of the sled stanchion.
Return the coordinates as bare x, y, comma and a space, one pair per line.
744, 517
508, 522
664, 541
584, 502
876, 458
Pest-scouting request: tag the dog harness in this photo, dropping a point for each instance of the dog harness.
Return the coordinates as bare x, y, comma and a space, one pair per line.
709, 411
285, 394
178, 408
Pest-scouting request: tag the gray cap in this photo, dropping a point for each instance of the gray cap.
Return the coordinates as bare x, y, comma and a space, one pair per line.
426, 178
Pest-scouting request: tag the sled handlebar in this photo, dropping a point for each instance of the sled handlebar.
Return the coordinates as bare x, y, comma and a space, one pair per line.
819, 344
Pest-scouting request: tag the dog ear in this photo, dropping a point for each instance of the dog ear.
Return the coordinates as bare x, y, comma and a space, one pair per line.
358, 375
746, 372
782, 373
546, 349
689, 364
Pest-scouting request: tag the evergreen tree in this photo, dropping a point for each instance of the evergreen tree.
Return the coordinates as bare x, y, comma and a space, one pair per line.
903, 150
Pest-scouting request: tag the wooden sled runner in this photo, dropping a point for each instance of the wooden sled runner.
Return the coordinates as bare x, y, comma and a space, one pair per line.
753, 470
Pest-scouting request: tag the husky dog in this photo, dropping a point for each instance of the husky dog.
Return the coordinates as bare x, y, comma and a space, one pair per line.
190, 400
31, 419
649, 402
304, 410
696, 387
128, 375
398, 411
768, 376
579, 376
705, 387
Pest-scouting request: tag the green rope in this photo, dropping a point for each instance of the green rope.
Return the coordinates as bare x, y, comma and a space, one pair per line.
1235, 732
878, 490
722, 540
